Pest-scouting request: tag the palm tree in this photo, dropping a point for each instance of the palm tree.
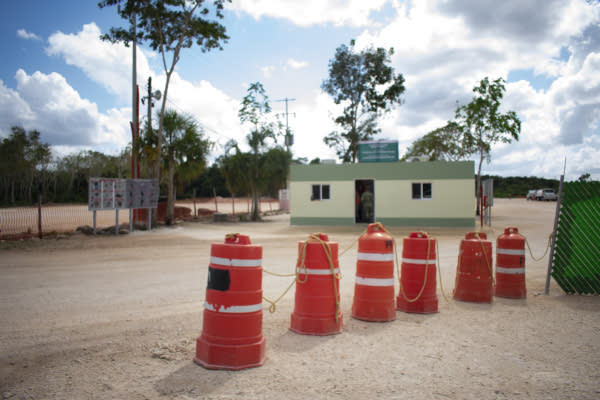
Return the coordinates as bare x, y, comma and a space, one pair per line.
185, 150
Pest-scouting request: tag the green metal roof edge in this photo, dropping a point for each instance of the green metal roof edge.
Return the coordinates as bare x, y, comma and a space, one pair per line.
384, 171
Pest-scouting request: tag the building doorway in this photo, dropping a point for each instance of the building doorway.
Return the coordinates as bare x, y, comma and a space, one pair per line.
364, 201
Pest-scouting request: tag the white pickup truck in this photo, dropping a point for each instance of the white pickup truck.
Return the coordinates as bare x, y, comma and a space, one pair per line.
546, 195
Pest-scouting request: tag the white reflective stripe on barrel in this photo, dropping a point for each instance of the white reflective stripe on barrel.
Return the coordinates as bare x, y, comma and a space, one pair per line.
234, 309
374, 281
375, 256
235, 262
503, 270
419, 261
310, 271
511, 252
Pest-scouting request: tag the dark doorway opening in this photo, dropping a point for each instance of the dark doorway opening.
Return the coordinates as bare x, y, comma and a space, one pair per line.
364, 200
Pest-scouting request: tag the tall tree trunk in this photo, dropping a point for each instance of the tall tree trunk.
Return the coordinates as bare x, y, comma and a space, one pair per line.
255, 206
170, 198
478, 188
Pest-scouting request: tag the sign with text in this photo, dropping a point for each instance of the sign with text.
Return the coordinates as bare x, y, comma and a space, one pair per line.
378, 151
114, 193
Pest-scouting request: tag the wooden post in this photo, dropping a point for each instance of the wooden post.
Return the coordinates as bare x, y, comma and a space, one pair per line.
40, 234
215, 196
195, 212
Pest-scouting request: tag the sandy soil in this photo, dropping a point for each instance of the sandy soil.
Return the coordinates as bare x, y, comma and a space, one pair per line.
117, 317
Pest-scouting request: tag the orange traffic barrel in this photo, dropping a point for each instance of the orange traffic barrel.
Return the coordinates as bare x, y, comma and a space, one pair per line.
418, 275
510, 265
317, 303
474, 269
374, 285
232, 336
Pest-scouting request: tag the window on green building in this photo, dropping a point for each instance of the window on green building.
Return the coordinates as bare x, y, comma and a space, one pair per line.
421, 191
320, 192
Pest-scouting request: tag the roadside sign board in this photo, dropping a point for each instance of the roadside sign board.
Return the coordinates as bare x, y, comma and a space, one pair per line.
114, 193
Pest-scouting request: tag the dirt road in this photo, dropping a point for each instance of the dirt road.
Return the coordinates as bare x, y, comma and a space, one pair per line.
117, 317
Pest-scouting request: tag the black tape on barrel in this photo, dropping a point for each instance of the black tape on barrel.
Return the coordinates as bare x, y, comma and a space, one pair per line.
218, 279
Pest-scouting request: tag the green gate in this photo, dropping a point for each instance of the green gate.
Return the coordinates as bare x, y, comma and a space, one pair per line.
576, 255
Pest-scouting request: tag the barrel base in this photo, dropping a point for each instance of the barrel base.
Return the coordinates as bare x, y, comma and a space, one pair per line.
510, 287
373, 312
316, 326
424, 306
474, 297
229, 357
511, 293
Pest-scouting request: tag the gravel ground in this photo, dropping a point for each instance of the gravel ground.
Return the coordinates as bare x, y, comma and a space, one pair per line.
106, 317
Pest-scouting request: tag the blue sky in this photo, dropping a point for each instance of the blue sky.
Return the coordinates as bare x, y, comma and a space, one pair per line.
58, 77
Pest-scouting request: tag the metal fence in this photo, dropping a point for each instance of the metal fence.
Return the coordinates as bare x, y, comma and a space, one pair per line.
24, 221
43, 219
575, 260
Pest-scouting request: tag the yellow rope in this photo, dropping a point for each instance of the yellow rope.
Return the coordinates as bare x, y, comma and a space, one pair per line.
335, 277
424, 277
490, 268
437, 258
276, 274
273, 303
231, 235
545, 252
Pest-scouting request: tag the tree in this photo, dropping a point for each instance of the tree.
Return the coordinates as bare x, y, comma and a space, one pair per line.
24, 160
186, 151
254, 110
168, 26
483, 125
584, 177
367, 87
444, 143
235, 169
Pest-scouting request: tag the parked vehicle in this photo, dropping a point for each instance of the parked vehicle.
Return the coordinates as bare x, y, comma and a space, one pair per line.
531, 195
546, 195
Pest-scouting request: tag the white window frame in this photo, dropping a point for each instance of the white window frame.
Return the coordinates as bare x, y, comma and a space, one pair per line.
421, 184
320, 185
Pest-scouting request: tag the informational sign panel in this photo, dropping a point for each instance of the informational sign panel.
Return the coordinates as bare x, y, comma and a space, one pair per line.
142, 193
378, 151
114, 194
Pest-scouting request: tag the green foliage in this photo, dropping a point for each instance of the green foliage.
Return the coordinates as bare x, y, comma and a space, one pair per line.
168, 26
482, 122
24, 163
252, 176
367, 87
186, 152
518, 186
442, 144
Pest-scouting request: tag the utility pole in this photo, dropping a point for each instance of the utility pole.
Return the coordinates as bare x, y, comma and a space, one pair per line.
289, 138
150, 99
134, 99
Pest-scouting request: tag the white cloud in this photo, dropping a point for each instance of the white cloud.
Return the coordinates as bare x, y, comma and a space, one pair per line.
46, 102
297, 64
105, 63
311, 12
23, 34
214, 110
267, 71
445, 48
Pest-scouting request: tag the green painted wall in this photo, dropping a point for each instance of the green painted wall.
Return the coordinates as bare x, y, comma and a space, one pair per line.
384, 171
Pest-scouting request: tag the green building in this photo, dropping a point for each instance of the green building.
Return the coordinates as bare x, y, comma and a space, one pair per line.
423, 194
